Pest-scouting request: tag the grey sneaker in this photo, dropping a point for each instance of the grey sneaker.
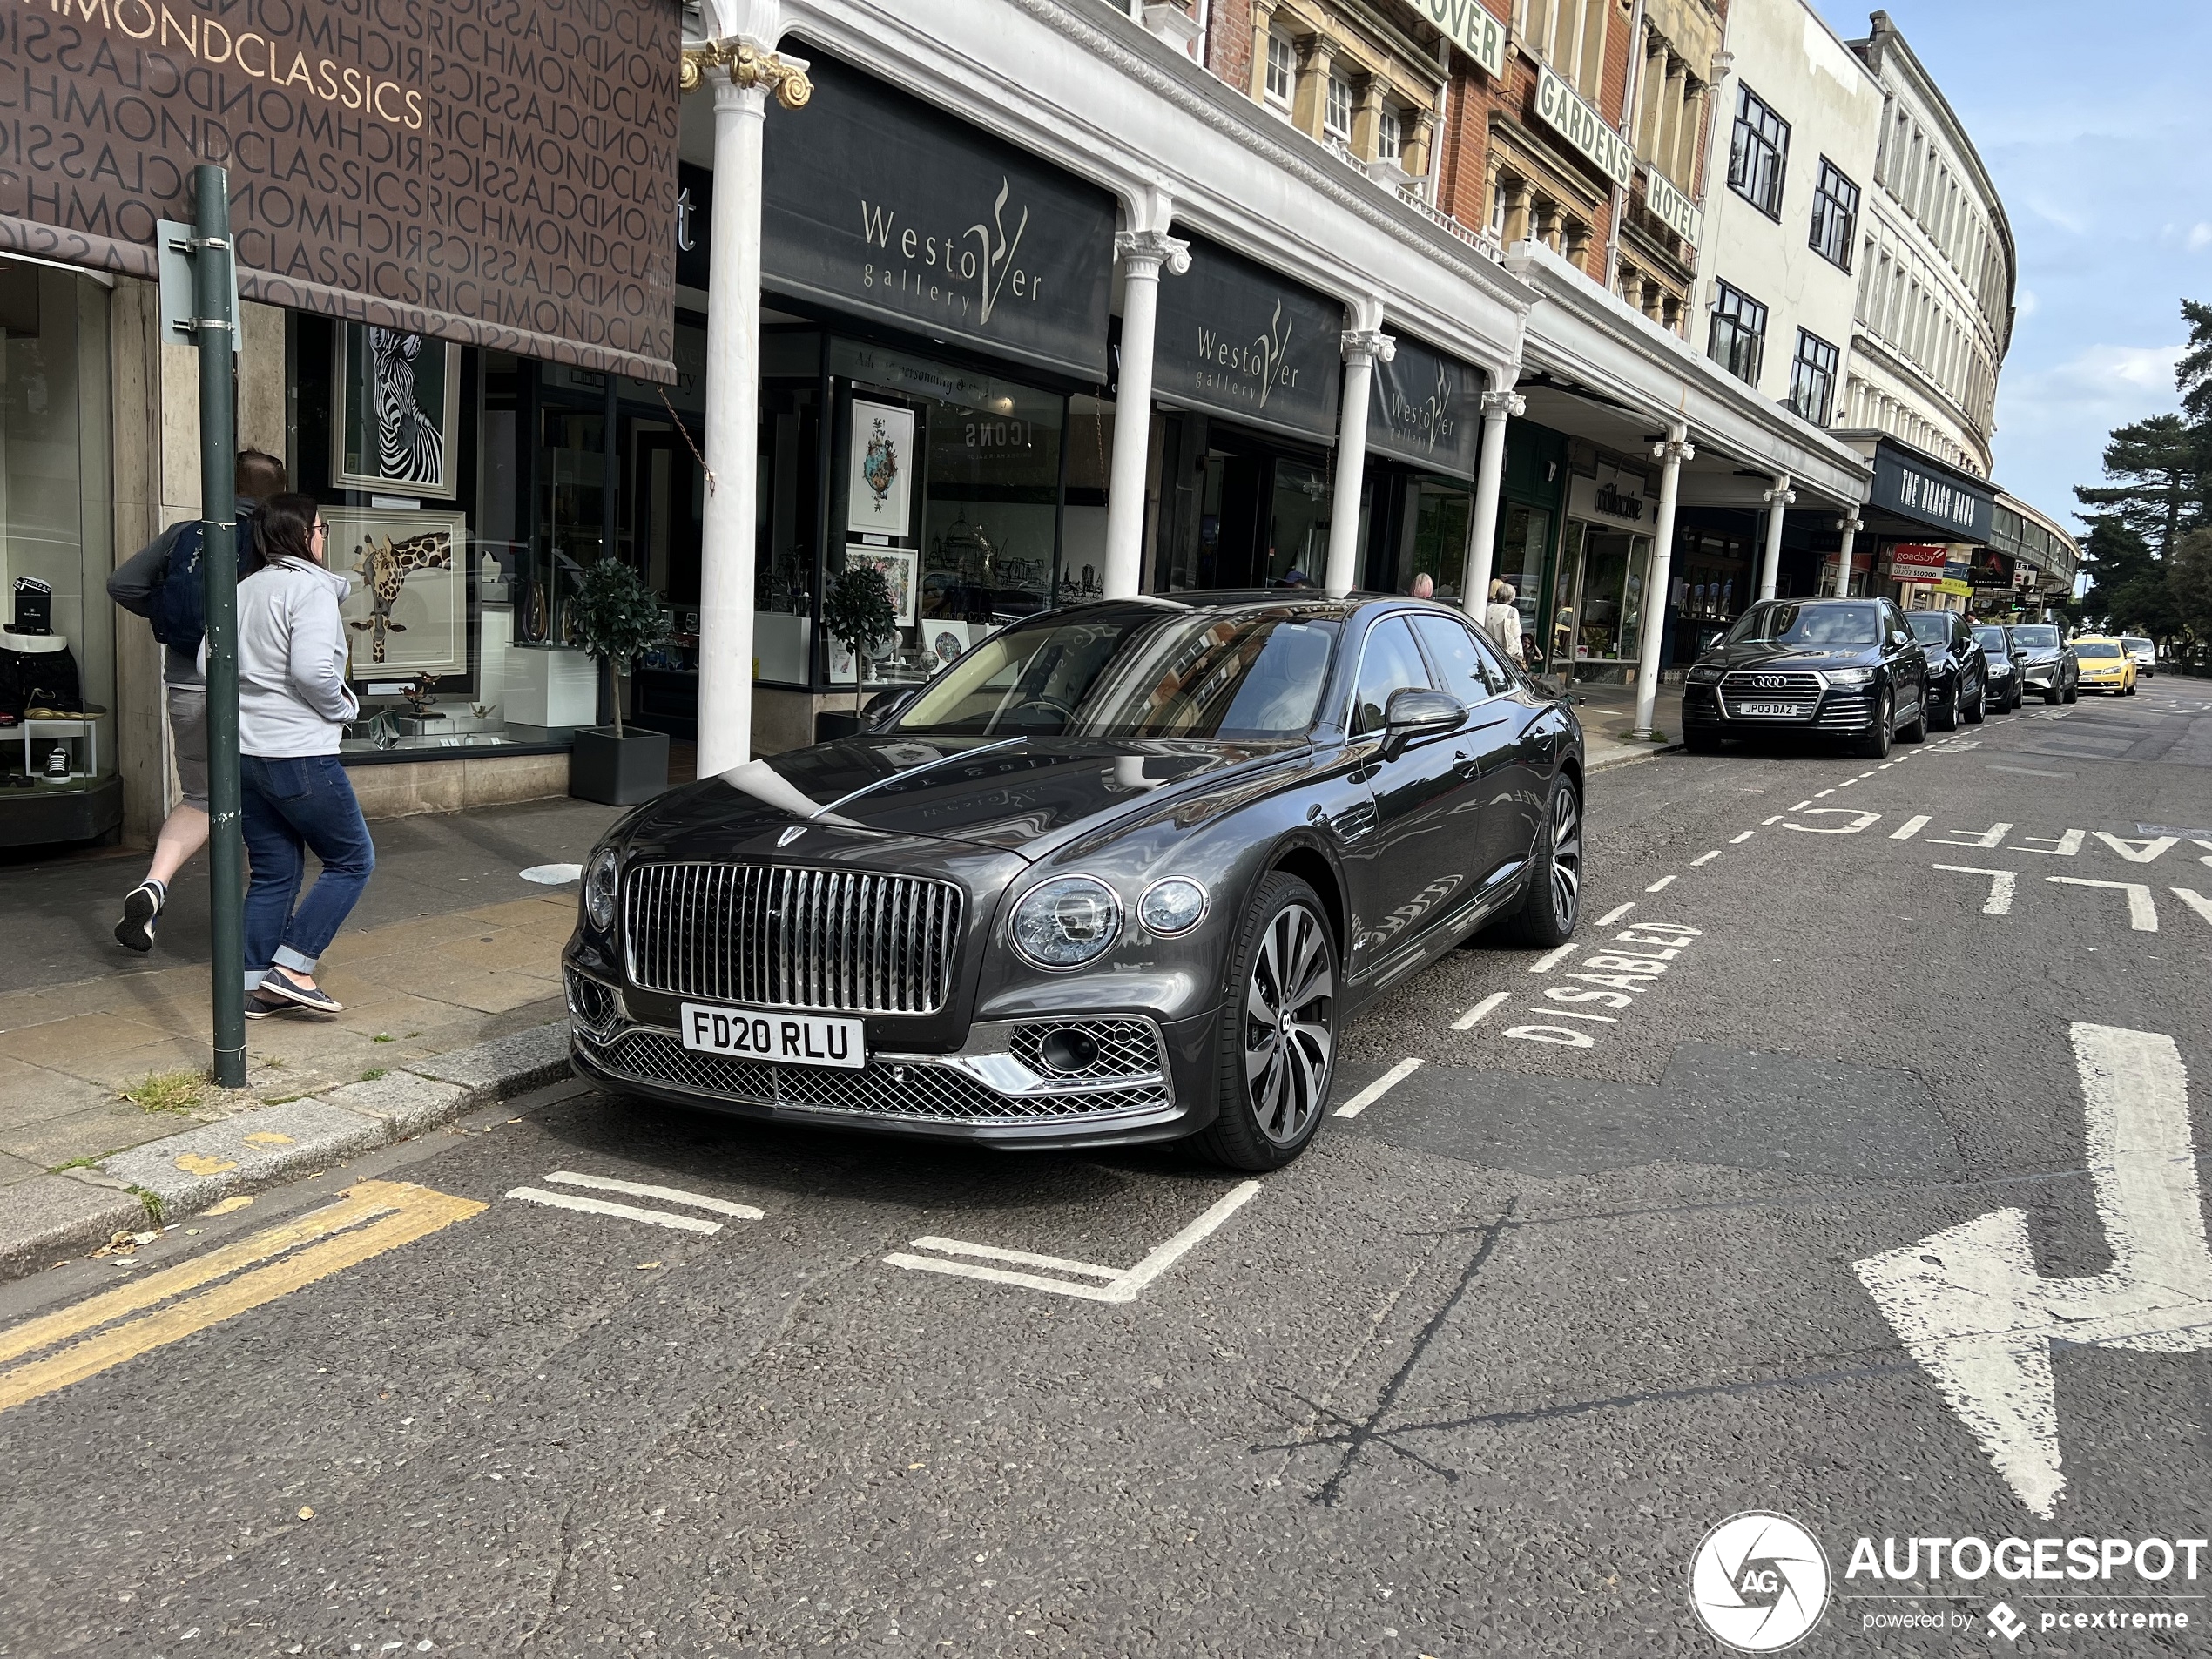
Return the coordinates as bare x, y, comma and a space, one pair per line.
281, 984
141, 914
259, 1007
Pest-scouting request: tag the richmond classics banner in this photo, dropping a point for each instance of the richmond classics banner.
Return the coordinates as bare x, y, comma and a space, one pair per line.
501, 174
1239, 340
873, 202
1427, 408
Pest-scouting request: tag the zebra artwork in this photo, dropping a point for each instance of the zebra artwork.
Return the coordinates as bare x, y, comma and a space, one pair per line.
411, 445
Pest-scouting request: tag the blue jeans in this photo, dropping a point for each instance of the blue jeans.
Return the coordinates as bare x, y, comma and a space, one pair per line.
293, 806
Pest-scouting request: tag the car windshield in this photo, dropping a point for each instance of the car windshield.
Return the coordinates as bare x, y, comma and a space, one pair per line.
1136, 671
1929, 627
2036, 639
1785, 623
1990, 638
2134, 641
2087, 648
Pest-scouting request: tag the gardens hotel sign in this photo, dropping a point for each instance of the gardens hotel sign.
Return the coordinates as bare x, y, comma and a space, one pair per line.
502, 174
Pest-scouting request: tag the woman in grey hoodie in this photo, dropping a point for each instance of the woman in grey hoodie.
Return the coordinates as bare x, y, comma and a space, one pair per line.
293, 706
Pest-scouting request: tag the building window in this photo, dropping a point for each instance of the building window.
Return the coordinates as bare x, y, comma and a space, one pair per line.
1336, 116
1389, 139
1282, 71
1812, 378
1759, 153
1739, 333
1835, 215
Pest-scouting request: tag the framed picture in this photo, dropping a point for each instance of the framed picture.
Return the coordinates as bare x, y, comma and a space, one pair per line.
899, 566
882, 470
407, 608
948, 639
398, 413
844, 667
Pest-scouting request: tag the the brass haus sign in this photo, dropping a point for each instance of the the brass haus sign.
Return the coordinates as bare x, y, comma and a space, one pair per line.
501, 173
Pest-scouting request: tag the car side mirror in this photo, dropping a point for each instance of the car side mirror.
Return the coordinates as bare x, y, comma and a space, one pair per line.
1415, 711
887, 707
1898, 636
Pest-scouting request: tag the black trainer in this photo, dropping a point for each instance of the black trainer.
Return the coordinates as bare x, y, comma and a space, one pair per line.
141, 908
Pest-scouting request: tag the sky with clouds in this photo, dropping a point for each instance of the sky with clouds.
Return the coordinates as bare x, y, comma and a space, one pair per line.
2095, 124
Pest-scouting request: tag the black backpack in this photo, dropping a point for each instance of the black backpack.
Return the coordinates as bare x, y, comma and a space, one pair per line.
179, 613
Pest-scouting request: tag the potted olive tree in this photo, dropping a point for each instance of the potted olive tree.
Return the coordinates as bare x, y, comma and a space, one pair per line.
857, 612
617, 617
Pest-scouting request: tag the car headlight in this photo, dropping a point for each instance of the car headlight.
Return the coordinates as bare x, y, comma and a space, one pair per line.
1844, 678
1704, 674
1066, 921
601, 878
1174, 905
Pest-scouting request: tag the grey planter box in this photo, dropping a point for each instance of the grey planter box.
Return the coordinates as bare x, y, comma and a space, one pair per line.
620, 772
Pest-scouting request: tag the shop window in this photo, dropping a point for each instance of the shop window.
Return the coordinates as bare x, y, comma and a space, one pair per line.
1835, 215
1336, 115
948, 482
1738, 341
1282, 72
58, 734
1524, 557
1812, 378
1759, 153
1603, 621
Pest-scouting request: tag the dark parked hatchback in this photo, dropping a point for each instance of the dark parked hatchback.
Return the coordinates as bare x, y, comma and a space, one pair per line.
1846, 668
1958, 668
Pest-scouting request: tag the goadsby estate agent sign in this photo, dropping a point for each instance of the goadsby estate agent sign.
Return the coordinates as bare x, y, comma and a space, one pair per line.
502, 174
873, 202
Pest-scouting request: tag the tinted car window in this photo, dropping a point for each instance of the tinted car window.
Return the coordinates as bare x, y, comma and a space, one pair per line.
1468, 674
2036, 638
1785, 623
1390, 663
1930, 627
1990, 639
1136, 673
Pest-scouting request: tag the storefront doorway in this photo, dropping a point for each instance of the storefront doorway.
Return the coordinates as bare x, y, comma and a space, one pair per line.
1250, 512
1599, 628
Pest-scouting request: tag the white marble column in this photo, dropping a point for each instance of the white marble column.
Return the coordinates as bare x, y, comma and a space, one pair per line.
1141, 252
1365, 345
1498, 407
1851, 524
1670, 453
1777, 502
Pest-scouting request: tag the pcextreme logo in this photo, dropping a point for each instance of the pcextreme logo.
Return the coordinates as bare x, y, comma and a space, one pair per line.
1758, 1582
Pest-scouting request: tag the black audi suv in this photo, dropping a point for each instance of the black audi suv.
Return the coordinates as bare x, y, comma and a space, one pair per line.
1958, 668
1121, 873
1827, 668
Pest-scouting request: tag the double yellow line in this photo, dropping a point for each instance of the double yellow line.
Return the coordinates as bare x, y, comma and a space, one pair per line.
102, 1331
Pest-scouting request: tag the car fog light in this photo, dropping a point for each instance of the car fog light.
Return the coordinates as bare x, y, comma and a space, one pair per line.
1068, 1051
1067, 921
601, 878
1172, 907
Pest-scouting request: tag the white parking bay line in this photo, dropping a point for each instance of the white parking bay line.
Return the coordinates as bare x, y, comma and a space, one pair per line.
1704, 858
641, 1190
1405, 1068
1738, 841
1552, 959
1911, 828
1121, 1284
1659, 885
1615, 913
606, 1207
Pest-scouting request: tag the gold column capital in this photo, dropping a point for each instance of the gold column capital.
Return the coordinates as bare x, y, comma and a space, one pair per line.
747, 66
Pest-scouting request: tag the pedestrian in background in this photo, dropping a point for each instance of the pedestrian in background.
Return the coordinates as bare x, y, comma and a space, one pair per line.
1424, 587
162, 582
1502, 620
293, 706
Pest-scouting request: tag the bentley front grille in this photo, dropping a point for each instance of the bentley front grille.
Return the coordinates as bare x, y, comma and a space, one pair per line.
787, 936
913, 1091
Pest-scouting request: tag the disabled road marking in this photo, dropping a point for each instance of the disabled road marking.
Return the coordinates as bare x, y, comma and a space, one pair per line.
1474, 1015
1405, 1068
1117, 1284
1999, 903
372, 1218
2142, 915
1553, 958
1970, 1305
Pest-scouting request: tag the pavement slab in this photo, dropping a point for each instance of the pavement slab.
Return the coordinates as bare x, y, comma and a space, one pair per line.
52, 1215
241, 1154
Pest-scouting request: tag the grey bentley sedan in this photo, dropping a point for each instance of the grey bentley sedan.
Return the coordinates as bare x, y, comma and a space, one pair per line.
1121, 873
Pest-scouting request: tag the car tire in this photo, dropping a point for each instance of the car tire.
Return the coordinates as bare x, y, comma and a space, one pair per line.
1918, 732
1273, 1077
2073, 693
1944, 718
1552, 902
1978, 711
2051, 696
1875, 746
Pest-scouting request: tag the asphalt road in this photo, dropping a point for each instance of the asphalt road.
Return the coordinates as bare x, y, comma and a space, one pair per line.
1475, 1376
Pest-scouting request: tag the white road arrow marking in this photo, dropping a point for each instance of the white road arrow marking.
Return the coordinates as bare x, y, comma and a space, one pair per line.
1970, 1305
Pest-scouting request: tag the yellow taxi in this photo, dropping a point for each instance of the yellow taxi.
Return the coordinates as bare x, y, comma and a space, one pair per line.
2107, 664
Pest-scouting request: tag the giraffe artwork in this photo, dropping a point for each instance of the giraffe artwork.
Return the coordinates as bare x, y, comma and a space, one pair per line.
385, 563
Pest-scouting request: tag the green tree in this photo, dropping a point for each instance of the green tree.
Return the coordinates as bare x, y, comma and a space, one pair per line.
2189, 582
857, 611
619, 618
2159, 469
2193, 374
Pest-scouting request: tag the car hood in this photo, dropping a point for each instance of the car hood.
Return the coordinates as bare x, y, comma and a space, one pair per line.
1022, 795
1795, 658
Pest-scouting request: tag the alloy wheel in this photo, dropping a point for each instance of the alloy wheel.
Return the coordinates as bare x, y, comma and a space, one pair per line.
1567, 855
1290, 1019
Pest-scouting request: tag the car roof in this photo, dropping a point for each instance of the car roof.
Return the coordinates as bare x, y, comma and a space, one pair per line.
1306, 601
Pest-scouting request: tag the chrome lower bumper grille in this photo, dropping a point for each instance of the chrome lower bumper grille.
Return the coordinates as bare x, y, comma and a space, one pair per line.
909, 1091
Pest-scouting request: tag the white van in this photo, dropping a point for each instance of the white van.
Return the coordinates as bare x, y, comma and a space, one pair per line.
2144, 652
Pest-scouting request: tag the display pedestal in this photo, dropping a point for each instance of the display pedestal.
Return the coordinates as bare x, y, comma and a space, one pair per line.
551, 686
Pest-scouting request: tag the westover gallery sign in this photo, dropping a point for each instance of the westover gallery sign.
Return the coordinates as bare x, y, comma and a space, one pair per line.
502, 174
